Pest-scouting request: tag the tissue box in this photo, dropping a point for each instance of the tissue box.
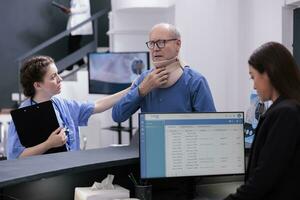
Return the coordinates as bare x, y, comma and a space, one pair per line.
86, 193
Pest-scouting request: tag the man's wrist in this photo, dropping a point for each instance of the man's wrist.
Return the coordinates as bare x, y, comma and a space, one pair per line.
142, 90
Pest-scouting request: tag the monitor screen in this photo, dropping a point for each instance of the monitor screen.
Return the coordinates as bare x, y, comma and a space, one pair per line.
112, 72
191, 144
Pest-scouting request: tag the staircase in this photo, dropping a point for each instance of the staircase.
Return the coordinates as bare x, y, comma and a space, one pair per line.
71, 58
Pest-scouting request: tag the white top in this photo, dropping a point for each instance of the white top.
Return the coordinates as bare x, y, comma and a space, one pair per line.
80, 11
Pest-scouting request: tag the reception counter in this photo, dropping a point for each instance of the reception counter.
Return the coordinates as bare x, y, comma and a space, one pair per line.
56, 175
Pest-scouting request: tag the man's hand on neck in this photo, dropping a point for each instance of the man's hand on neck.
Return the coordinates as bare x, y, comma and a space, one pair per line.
155, 79
175, 71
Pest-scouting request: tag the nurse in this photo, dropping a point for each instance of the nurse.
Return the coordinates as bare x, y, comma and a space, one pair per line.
41, 82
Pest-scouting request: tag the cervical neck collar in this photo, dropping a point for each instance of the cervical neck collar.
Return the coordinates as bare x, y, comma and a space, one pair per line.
175, 71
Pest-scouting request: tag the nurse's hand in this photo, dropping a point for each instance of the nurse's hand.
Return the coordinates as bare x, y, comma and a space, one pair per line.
57, 138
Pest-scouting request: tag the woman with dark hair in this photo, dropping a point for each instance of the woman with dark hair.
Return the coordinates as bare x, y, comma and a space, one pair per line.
274, 162
41, 82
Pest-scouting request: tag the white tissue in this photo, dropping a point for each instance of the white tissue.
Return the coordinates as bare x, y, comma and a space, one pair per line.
104, 191
106, 184
86, 193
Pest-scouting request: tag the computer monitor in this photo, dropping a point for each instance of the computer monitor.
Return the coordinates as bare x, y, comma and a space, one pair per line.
112, 72
191, 144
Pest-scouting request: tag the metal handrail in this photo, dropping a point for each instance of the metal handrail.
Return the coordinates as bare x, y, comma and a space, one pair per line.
60, 35
68, 59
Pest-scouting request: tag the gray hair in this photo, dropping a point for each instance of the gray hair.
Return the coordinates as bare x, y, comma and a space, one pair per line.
171, 28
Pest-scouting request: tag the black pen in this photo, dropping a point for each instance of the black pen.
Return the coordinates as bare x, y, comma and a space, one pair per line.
131, 177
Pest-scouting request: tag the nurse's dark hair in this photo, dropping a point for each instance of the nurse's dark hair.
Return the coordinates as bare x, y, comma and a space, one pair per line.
275, 59
33, 70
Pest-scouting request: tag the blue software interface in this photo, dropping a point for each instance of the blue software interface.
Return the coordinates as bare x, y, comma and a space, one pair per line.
191, 144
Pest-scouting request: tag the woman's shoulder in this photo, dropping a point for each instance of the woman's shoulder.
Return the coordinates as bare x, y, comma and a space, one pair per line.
286, 107
62, 102
71, 103
58, 99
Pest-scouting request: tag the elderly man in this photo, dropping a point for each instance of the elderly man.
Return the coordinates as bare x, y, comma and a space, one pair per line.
169, 86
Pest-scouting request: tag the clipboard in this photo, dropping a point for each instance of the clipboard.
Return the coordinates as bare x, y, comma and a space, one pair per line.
58, 5
35, 123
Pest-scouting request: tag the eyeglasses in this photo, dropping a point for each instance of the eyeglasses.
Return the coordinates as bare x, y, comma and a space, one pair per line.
159, 43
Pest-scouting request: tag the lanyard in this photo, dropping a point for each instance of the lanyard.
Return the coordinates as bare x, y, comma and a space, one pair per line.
63, 118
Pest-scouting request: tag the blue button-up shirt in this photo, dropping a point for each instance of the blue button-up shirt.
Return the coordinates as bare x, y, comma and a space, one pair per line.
190, 93
70, 114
